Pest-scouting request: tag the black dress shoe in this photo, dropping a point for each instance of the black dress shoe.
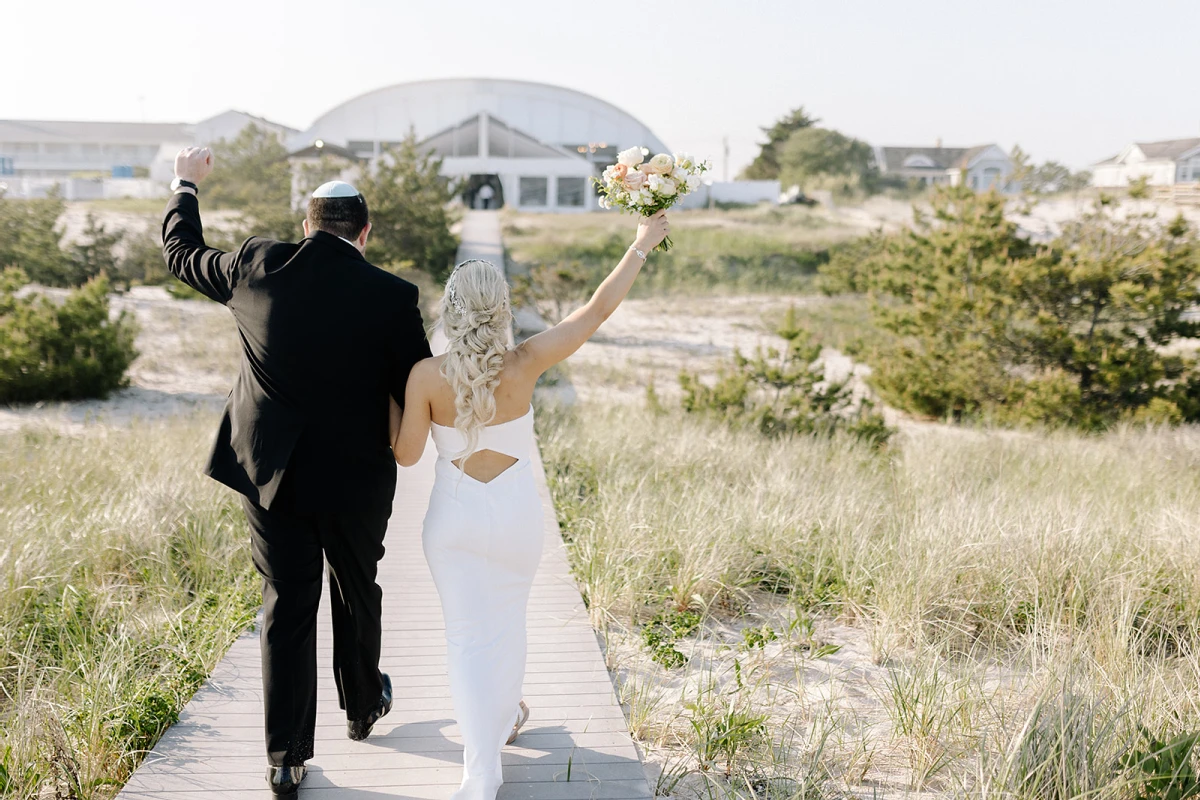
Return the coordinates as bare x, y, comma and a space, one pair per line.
285, 781
359, 729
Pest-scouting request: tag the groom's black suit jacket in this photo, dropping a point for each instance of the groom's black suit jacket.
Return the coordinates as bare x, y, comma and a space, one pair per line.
325, 337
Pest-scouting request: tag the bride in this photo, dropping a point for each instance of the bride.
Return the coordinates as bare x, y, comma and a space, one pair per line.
483, 531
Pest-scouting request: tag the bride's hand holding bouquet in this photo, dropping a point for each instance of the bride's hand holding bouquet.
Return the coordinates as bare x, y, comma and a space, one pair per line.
647, 187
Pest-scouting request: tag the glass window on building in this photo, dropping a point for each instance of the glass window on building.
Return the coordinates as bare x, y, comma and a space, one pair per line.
570, 191
534, 191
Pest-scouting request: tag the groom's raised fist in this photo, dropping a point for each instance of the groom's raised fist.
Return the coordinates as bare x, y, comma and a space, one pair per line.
193, 163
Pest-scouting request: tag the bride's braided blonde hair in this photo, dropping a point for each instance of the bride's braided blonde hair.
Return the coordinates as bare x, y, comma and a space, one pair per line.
477, 321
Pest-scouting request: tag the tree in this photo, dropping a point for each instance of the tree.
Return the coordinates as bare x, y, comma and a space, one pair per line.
1047, 178
1077, 332
29, 239
937, 288
1102, 307
407, 199
313, 175
142, 260
766, 164
250, 171
810, 153
554, 290
1022, 165
94, 253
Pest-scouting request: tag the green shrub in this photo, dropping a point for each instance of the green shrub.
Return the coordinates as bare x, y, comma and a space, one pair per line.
984, 324
67, 351
785, 392
143, 260
29, 239
553, 290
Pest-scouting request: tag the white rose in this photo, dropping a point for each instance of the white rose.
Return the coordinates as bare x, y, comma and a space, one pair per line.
661, 164
631, 157
668, 188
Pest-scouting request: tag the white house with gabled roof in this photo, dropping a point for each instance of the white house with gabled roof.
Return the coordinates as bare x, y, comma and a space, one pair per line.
982, 167
1162, 163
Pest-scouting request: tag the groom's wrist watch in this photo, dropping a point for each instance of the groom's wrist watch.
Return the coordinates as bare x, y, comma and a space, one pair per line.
180, 183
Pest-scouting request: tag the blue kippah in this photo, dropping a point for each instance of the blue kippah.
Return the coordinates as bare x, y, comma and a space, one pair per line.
335, 189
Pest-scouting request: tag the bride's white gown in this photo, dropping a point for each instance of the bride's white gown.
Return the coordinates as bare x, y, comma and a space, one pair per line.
483, 542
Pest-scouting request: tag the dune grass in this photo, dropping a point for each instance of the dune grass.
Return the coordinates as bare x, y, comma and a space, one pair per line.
1028, 603
719, 251
124, 577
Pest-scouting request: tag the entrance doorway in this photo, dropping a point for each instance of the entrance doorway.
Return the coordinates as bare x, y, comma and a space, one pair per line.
483, 192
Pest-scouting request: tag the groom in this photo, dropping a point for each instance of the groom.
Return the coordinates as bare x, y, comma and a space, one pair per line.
326, 339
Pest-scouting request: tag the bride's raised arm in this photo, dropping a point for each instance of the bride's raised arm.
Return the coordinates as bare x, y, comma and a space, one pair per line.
543, 351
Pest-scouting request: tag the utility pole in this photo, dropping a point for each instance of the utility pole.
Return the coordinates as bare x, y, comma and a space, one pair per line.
725, 141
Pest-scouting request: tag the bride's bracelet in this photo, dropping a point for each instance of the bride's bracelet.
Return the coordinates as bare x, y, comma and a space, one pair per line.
641, 253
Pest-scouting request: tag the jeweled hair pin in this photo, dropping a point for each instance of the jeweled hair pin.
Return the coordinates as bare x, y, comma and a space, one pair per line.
451, 289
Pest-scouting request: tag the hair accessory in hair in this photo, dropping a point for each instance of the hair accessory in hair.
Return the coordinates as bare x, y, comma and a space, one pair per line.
335, 189
451, 290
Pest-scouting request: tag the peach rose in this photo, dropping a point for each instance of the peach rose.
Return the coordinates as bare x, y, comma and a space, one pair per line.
635, 180
619, 171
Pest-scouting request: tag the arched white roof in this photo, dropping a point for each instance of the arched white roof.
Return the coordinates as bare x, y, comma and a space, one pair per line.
552, 114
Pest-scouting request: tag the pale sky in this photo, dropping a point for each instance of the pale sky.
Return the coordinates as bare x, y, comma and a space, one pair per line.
1070, 80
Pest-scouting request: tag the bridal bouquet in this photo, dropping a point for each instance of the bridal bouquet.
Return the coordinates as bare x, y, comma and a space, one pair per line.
647, 187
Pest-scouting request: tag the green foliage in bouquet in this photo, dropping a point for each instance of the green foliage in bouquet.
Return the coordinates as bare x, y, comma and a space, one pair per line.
67, 351
784, 391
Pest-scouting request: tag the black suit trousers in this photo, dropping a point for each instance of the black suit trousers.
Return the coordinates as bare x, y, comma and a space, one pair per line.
289, 550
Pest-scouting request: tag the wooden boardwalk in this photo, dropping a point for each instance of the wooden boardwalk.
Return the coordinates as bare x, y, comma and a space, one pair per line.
576, 745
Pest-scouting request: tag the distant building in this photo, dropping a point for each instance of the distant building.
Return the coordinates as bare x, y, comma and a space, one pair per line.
536, 145
1162, 163
79, 157
982, 168
229, 124
93, 160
